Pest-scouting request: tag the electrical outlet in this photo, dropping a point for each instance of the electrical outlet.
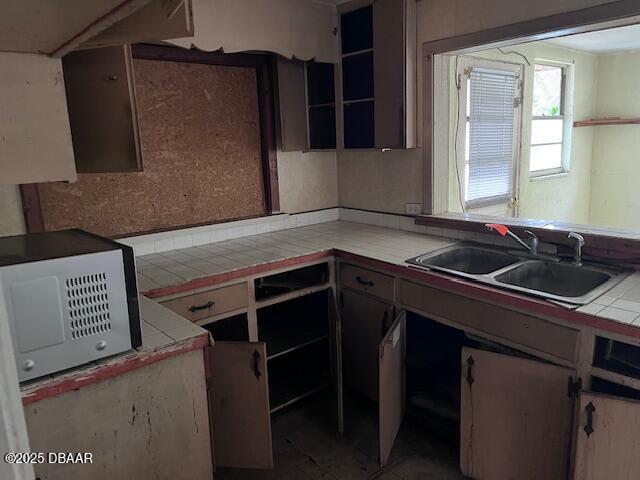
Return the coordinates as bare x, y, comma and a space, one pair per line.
413, 208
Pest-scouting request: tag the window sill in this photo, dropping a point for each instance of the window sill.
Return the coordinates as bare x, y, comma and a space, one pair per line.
615, 244
548, 176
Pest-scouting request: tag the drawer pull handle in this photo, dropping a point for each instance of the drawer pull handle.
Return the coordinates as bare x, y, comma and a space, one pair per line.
366, 283
470, 363
256, 364
206, 306
588, 428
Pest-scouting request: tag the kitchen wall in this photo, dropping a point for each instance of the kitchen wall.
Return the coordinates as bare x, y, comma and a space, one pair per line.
564, 197
364, 176
615, 172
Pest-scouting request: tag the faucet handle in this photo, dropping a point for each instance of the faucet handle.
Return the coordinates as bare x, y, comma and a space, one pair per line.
501, 229
579, 238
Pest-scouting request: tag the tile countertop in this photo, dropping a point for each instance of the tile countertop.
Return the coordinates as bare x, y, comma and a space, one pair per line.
157, 271
164, 334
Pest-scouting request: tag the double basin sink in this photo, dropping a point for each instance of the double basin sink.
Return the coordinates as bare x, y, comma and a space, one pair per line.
551, 279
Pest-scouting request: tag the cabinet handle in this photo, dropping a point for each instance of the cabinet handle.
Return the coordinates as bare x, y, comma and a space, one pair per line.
255, 362
470, 363
588, 428
195, 308
366, 283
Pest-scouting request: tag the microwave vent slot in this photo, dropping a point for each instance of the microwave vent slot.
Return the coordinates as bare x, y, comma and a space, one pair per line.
88, 305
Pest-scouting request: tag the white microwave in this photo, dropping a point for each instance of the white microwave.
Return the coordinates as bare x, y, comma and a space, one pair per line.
71, 298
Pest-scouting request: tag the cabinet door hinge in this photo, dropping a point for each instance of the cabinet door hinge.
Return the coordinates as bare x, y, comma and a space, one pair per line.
574, 387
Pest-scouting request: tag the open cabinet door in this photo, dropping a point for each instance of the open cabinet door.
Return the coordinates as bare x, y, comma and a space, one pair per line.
239, 400
515, 418
607, 438
392, 385
335, 328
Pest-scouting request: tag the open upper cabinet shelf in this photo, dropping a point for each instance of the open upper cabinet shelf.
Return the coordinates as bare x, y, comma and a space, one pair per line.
607, 121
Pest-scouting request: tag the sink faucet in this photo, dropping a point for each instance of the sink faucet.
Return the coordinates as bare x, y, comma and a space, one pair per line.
503, 230
577, 259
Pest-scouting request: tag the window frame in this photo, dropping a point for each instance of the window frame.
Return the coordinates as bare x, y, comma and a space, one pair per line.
465, 64
566, 133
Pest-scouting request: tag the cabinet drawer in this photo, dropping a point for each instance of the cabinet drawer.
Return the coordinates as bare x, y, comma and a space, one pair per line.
520, 328
198, 306
364, 280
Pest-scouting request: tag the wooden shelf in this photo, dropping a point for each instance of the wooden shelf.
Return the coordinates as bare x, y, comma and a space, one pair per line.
288, 326
299, 374
607, 121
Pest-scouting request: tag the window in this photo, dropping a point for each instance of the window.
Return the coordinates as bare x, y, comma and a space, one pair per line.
489, 100
548, 124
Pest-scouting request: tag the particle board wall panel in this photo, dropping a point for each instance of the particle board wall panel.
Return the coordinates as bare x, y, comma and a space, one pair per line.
152, 422
201, 151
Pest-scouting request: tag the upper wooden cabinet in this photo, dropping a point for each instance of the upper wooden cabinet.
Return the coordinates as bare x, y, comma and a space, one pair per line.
35, 144
102, 110
307, 111
379, 75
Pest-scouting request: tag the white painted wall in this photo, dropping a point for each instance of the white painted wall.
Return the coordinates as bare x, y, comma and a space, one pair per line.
400, 172
615, 175
565, 197
307, 181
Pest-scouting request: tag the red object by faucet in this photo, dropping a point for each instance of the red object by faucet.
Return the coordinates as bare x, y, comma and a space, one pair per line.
501, 229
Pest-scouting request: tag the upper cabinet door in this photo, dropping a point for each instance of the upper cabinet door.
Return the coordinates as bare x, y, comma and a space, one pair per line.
239, 404
102, 110
379, 75
394, 68
36, 140
515, 418
392, 385
607, 438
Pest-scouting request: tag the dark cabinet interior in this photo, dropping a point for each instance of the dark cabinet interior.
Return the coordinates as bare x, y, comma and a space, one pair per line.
617, 357
306, 105
231, 329
321, 105
281, 328
356, 30
297, 337
290, 281
358, 78
358, 125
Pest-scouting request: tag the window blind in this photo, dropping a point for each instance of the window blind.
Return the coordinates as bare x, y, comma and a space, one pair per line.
491, 135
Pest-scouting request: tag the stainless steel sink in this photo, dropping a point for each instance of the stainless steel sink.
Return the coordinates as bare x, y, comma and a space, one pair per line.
468, 259
551, 279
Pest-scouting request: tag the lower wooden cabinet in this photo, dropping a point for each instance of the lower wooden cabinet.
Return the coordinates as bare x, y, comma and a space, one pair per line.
251, 380
515, 417
517, 422
607, 438
365, 321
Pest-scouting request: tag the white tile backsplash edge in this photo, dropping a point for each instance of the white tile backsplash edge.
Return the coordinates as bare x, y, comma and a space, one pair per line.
194, 236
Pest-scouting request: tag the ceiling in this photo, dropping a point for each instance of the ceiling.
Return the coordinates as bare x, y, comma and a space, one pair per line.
613, 40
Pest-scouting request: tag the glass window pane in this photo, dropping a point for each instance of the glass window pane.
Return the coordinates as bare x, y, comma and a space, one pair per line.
544, 157
547, 90
546, 131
